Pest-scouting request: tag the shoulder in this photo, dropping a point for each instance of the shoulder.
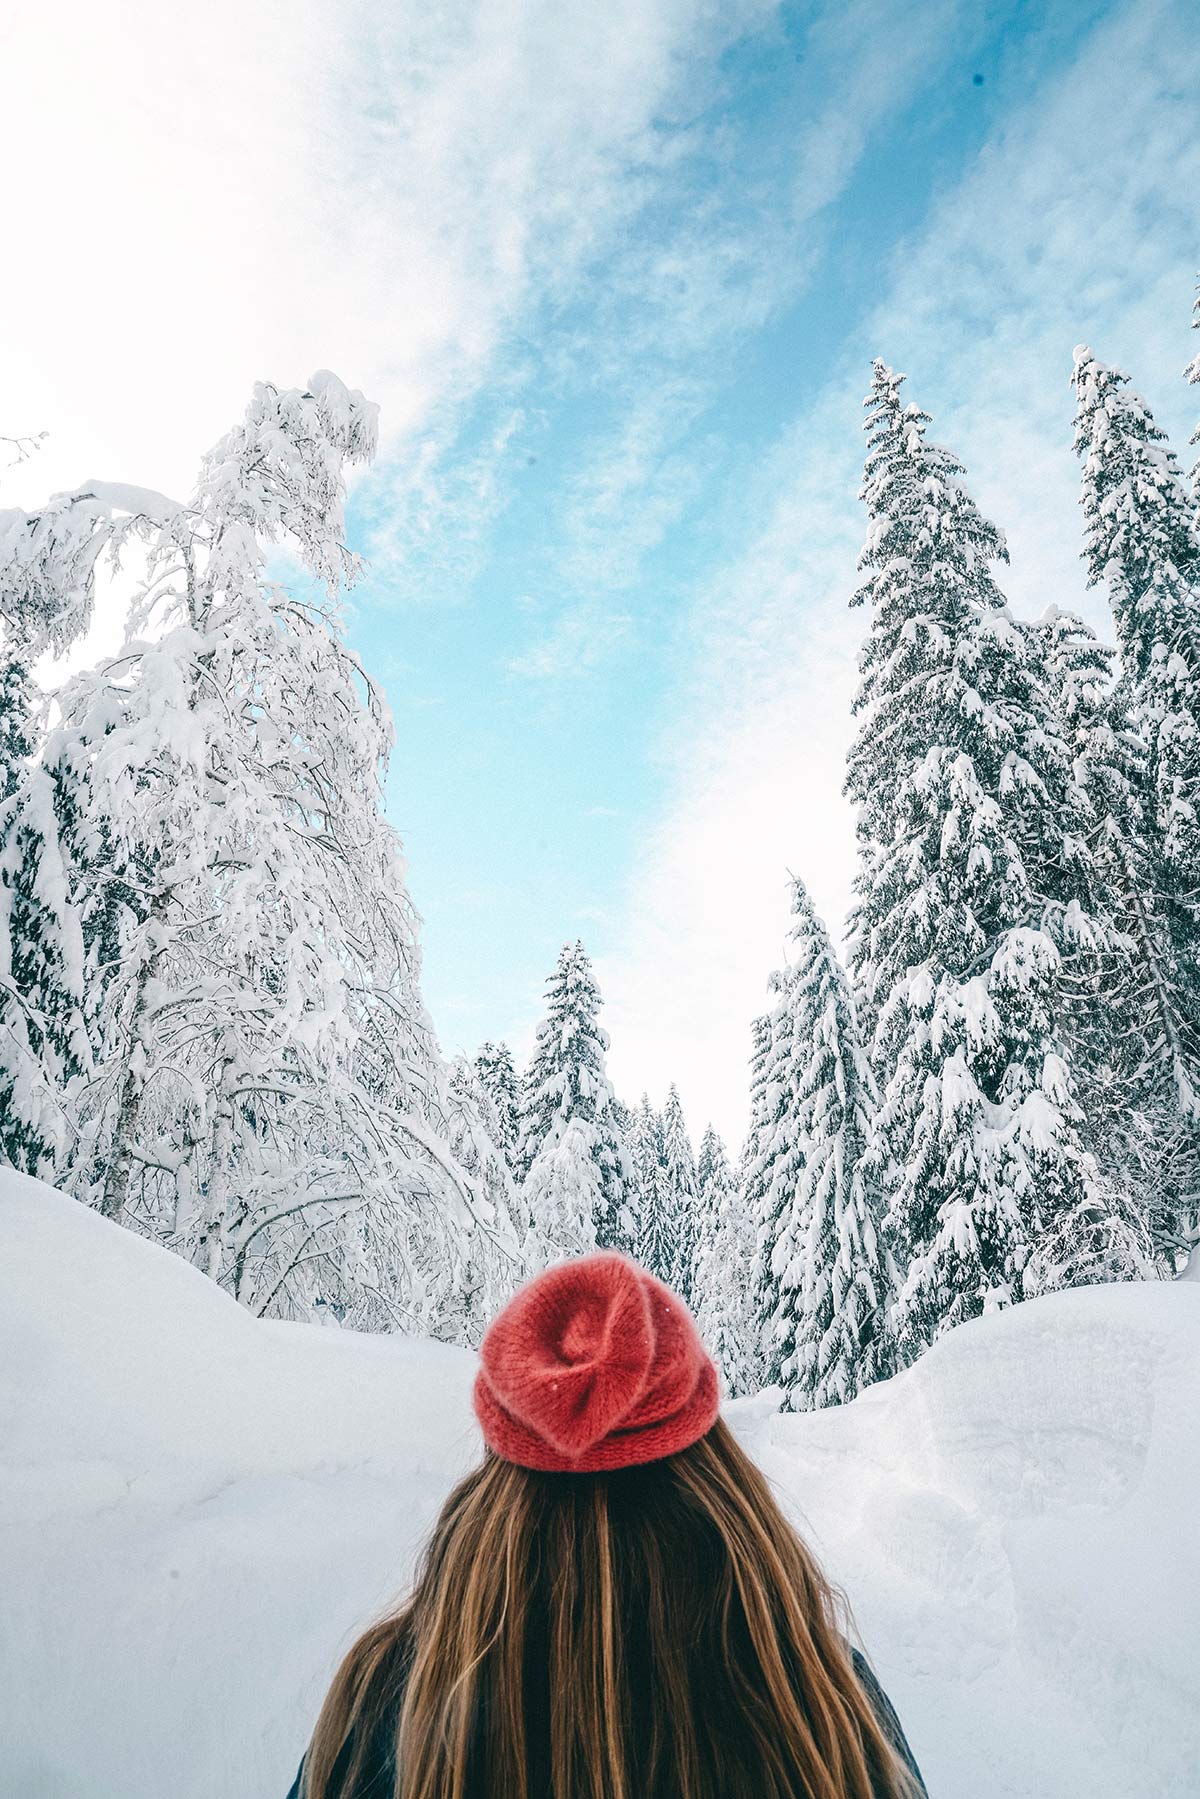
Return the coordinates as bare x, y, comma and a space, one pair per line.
371, 1752
885, 1713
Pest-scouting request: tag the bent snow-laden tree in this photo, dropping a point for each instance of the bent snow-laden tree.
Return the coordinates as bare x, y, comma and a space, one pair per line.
972, 892
264, 1092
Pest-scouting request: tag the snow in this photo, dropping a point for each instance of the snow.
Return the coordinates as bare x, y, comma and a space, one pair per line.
121, 496
197, 1509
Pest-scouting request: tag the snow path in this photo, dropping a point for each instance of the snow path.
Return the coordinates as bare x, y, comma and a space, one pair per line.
197, 1510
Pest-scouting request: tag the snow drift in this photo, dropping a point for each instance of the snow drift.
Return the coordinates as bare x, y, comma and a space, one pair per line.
197, 1510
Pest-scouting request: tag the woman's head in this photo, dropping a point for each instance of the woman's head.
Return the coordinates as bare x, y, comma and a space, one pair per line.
640, 1629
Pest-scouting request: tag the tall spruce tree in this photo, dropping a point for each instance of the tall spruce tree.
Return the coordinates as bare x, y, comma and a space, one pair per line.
1127, 1095
724, 1256
655, 1223
753, 1169
1140, 543
679, 1194
498, 1077
774, 1177
500, 1252
570, 1147
830, 1330
967, 895
618, 1229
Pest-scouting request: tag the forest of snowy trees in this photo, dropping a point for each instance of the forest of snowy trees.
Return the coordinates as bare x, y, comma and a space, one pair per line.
211, 1020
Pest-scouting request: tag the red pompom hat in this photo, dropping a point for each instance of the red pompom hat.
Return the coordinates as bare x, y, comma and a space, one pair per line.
594, 1364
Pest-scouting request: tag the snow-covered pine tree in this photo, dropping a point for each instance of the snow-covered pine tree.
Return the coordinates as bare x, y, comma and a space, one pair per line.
499, 1254
619, 1230
266, 1095
967, 895
830, 1330
1140, 542
722, 1285
42, 1044
654, 1240
679, 1195
753, 1170
47, 590
498, 1077
774, 1177
1127, 1096
570, 1148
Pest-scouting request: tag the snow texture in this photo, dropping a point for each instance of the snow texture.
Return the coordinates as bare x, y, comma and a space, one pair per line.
200, 1508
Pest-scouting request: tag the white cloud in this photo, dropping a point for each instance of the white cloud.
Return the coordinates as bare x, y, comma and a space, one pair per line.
282, 184
1079, 219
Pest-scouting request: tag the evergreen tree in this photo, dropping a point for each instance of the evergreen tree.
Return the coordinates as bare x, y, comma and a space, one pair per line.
1139, 541
569, 1144
721, 1289
1104, 1236
1131, 1119
679, 1195
47, 591
752, 1179
500, 1252
42, 1043
498, 1077
833, 1281
968, 892
619, 1229
655, 1223
774, 1176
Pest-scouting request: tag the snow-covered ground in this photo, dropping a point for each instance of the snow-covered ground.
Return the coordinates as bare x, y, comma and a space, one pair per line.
197, 1509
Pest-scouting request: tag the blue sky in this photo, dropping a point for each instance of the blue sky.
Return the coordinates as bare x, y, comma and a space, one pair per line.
616, 276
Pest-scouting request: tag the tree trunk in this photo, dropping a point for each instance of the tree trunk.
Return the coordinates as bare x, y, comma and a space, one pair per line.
210, 1247
133, 1082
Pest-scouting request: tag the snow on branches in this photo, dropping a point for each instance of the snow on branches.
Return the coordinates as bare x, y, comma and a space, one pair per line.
969, 894
829, 1280
262, 1090
570, 1147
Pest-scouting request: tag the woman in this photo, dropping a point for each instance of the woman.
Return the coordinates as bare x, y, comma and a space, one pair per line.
612, 1606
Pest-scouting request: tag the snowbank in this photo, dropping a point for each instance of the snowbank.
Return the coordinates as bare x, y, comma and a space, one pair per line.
196, 1510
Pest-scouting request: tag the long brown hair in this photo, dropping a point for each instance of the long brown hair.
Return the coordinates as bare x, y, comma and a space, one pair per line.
658, 1632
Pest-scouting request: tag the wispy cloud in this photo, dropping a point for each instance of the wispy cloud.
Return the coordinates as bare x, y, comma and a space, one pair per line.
430, 512
733, 229
579, 638
638, 480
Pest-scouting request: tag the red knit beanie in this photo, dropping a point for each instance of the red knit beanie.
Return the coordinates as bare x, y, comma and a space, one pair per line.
594, 1364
